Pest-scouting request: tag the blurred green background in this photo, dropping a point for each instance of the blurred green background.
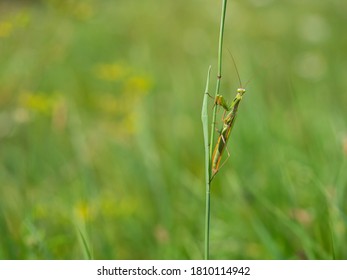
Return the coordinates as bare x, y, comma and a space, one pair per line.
101, 140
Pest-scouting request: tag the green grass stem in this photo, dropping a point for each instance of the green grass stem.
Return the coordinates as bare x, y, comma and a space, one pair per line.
209, 145
204, 119
219, 73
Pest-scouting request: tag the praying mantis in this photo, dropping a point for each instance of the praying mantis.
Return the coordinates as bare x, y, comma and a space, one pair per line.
228, 123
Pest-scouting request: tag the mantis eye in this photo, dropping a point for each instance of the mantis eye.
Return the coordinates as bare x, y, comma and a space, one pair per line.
241, 91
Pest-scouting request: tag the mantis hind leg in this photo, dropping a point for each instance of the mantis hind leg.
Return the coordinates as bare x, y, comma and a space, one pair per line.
226, 147
224, 162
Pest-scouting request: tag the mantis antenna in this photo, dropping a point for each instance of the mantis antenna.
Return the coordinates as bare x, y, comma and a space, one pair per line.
237, 71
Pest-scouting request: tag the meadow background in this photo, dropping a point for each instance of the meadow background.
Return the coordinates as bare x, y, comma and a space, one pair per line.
101, 140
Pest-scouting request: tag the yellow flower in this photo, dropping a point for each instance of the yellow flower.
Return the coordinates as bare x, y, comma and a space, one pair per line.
83, 11
83, 211
110, 72
138, 84
6, 28
19, 20
38, 102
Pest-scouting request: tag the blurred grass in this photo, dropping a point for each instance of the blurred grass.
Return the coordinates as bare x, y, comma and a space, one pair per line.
101, 141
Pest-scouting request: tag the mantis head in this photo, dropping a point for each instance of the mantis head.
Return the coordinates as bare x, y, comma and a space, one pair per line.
241, 91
